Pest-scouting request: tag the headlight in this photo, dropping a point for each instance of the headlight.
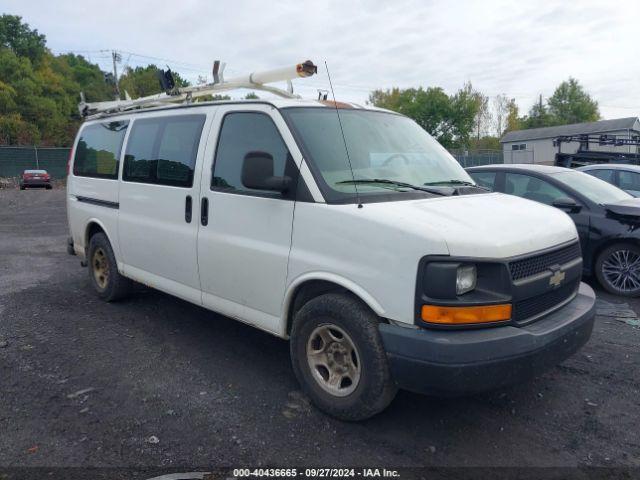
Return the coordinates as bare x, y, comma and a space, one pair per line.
466, 277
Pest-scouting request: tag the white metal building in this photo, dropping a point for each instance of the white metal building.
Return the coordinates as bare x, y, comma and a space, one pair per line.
535, 145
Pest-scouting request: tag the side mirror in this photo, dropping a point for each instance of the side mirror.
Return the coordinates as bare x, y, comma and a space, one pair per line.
257, 173
567, 204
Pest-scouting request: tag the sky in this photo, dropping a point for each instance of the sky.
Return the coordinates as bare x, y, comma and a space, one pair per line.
522, 49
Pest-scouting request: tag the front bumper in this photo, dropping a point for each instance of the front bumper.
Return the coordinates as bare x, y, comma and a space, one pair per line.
462, 362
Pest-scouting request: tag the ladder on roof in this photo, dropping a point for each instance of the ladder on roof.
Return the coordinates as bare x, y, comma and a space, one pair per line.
174, 94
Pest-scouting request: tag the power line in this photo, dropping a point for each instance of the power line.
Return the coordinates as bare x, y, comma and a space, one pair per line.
201, 69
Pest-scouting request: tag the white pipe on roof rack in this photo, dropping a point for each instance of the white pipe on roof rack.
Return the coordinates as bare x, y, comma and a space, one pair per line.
255, 81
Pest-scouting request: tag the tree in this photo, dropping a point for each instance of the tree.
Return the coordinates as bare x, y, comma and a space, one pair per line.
513, 119
21, 39
448, 118
39, 91
501, 104
483, 116
84, 75
570, 103
488, 142
539, 116
251, 96
15, 131
143, 81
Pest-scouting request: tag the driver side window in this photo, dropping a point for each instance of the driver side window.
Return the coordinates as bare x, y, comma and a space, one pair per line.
532, 188
243, 133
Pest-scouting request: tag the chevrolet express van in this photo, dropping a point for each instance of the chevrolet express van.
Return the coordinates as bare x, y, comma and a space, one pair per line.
348, 231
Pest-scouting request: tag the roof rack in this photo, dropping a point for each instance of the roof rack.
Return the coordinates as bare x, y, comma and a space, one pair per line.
173, 94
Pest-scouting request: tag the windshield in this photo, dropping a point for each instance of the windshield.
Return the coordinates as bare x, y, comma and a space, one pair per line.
381, 146
593, 188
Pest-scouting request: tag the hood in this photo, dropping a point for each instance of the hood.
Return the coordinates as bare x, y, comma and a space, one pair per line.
625, 208
492, 225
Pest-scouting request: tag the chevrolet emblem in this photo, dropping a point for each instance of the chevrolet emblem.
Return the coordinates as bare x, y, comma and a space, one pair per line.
556, 279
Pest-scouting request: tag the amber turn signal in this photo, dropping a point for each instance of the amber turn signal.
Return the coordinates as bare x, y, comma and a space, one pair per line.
466, 315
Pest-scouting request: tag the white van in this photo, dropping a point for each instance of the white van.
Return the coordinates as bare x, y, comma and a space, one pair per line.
372, 252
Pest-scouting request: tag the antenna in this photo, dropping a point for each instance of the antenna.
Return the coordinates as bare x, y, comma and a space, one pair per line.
344, 139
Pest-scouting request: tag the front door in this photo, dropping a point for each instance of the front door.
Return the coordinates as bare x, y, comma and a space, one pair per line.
244, 241
159, 193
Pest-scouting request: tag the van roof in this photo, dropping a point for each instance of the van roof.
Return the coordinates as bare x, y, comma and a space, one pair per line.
275, 102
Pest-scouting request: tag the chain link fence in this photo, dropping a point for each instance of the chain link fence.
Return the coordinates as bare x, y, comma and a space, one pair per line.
480, 157
15, 160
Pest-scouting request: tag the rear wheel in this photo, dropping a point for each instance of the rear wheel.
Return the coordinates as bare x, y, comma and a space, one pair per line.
618, 269
103, 270
339, 359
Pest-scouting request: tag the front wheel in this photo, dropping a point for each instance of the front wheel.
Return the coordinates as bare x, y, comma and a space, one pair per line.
618, 269
339, 359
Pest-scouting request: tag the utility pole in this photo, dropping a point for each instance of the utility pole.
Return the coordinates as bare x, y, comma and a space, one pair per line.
116, 57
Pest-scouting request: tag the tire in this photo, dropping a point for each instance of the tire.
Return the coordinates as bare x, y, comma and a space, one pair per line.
22, 187
103, 270
341, 319
617, 269
48, 187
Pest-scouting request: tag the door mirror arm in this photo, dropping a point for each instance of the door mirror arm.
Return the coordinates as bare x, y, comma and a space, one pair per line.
567, 204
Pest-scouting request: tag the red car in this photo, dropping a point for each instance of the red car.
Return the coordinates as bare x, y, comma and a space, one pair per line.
35, 178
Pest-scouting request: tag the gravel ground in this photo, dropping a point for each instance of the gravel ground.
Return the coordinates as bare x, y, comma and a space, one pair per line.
155, 381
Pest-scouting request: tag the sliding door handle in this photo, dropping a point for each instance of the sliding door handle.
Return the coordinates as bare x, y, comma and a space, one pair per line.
204, 211
188, 209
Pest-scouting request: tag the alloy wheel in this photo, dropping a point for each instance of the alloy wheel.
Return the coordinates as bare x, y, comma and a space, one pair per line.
622, 270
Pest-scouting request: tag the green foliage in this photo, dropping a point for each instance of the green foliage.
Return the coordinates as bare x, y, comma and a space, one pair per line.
513, 120
449, 118
213, 98
15, 131
539, 116
143, 81
39, 91
570, 103
84, 75
487, 142
251, 96
20, 39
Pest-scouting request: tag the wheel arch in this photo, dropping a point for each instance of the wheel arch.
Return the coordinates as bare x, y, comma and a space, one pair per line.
312, 285
96, 226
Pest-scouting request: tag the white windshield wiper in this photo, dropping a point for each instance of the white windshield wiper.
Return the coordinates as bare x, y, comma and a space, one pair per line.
385, 181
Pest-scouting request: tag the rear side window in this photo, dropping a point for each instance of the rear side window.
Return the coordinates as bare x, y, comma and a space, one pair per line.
98, 151
484, 179
606, 175
629, 180
242, 133
163, 150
